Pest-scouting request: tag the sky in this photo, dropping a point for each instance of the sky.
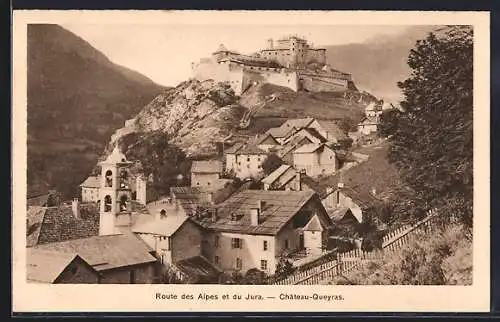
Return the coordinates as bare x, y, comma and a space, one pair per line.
164, 52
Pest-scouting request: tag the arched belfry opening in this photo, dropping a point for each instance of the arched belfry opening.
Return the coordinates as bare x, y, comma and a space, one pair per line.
107, 203
108, 178
124, 178
123, 203
163, 213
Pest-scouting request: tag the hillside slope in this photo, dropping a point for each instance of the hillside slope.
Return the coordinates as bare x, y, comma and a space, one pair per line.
379, 63
76, 98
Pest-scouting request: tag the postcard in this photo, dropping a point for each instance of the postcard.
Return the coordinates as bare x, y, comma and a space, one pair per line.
306, 161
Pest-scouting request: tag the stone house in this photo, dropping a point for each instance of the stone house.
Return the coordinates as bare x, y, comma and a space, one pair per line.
206, 174
315, 159
52, 267
245, 160
253, 228
368, 125
358, 201
286, 152
119, 259
90, 189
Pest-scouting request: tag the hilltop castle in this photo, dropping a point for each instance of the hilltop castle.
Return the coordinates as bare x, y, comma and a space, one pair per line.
291, 62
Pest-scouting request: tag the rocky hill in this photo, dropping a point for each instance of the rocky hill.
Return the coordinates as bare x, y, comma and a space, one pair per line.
76, 99
197, 114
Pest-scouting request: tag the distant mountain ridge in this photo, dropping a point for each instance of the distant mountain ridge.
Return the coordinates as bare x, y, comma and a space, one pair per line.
380, 62
77, 97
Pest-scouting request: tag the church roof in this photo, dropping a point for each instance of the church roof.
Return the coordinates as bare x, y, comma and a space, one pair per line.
116, 156
92, 182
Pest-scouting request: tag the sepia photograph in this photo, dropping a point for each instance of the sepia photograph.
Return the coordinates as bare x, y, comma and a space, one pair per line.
235, 154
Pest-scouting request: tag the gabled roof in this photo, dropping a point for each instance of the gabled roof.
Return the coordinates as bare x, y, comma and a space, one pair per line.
165, 226
107, 252
369, 121
92, 182
233, 149
315, 134
54, 224
189, 198
273, 176
360, 197
292, 145
310, 148
209, 166
333, 129
198, 268
281, 132
45, 266
265, 137
297, 123
314, 224
279, 209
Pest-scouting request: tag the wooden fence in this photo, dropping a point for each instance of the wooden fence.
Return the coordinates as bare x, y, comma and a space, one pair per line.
345, 262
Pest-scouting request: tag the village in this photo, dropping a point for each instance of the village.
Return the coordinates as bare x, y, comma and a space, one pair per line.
233, 218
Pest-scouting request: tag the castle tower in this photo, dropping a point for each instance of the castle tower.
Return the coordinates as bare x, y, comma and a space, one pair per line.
115, 193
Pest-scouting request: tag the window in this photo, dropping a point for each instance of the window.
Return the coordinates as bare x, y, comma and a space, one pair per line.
132, 277
264, 245
123, 203
107, 203
338, 197
216, 241
286, 243
163, 213
208, 183
263, 265
239, 263
248, 159
108, 179
236, 243
197, 183
216, 260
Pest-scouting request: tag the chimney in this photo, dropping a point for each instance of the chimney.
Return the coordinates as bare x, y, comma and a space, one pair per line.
214, 215
75, 206
260, 205
340, 184
254, 216
210, 197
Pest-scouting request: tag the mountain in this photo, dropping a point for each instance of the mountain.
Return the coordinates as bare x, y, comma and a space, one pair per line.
77, 98
380, 62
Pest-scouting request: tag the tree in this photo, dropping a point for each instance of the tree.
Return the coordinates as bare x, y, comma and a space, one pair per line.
158, 157
431, 142
388, 122
255, 276
271, 163
284, 267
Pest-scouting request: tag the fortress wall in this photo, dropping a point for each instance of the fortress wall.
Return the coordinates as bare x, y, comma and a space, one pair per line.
316, 55
224, 72
285, 79
322, 84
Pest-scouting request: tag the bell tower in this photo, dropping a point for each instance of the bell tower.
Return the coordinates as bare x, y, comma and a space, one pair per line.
115, 193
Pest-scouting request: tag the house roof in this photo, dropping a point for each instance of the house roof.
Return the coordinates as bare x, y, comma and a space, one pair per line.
315, 134
362, 198
368, 121
38, 201
281, 132
92, 182
297, 123
337, 214
266, 136
234, 148
314, 224
273, 176
190, 198
164, 226
46, 266
54, 224
309, 148
333, 128
292, 145
280, 207
209, 166
108, 251
198, 268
